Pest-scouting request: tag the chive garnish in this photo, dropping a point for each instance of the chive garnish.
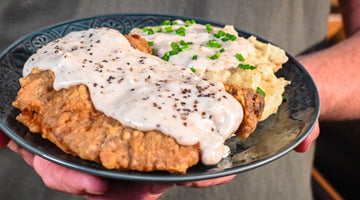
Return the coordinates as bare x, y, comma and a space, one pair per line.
151, 43
193, 70
180, 31
215, 56
168, 29
184, 48
246, 66
166, 56
208, 28
195, 57
230, 36
176, 49
182, 42
187, 23
157, 29
165, 23
213, 44
219, 34
224, 39
260, 91
150, 31
222, 50
240, 57
173, 52
175, 46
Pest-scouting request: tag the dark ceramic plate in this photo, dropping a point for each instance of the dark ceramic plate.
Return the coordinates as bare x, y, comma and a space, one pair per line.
273, 138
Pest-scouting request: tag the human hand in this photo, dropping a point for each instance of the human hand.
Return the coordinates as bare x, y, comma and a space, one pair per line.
143, 190
304, 146
4, 139
96, 188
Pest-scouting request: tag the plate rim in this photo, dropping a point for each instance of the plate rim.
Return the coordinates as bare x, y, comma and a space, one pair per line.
143, 176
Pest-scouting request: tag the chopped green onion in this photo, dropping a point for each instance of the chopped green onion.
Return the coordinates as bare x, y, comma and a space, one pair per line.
224, 39
184, 48
180, 31
187, 23
182, 42
153, 51
193, 21
150, 31
240, 57
174, 23
219, 34
260, 91
208, 28
151, 43
230, 36
246, 66
195, 57
213, 44
176, 49
168, 29
175, 46
215, 56
165, 23
157, 28
222, 50
166, 56
284, 99
173, 52
193, 70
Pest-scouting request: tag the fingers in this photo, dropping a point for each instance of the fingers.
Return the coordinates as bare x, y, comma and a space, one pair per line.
27, 156
4, 139
132, 191
209, 182
67, 180
71, 181
304, 146
61, 178
94, 188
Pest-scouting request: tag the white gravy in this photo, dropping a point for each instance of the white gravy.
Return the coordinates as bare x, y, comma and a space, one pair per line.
142, 91
199, 36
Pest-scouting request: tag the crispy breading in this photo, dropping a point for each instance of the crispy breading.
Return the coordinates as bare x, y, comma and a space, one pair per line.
138, 43
253, 105
68, 119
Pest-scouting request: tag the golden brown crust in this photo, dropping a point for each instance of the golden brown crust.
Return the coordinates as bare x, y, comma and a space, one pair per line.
253, 105
68, 119
138, 43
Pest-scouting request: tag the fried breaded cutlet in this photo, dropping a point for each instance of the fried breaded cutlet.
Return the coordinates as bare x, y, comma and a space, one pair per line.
69, 120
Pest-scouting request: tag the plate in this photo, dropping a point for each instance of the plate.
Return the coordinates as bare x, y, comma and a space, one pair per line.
273, 138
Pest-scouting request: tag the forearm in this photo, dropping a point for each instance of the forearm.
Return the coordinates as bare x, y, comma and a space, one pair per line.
336, 71
350, 10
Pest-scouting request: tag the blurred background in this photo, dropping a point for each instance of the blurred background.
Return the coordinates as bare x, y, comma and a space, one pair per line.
336, 172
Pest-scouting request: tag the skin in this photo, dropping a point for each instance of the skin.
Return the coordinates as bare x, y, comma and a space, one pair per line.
330, 70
